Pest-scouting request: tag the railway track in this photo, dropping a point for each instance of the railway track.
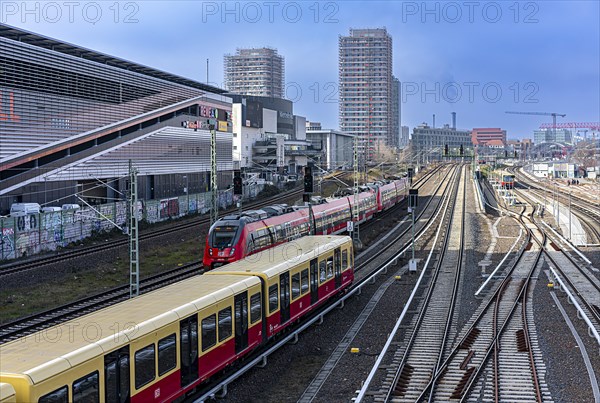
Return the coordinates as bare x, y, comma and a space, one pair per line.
583, 283
363, 277
492, 359
411, 366
421, 220
40, 321
33, 323
587, 211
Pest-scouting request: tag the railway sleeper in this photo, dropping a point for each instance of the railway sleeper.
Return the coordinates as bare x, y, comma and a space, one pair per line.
522, 345
470, 339
403, 380
460, 388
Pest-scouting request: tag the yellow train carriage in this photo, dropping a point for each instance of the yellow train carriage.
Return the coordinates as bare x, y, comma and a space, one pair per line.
7, 393
298, 276
155, 347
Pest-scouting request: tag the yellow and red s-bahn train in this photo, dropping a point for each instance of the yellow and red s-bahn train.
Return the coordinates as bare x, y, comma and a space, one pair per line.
508, 180
165, 344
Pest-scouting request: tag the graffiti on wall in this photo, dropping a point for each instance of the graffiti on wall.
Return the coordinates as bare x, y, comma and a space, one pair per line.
169, 208
32, 234
7, 243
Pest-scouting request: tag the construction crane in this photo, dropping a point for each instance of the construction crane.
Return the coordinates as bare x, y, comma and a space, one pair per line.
553, 114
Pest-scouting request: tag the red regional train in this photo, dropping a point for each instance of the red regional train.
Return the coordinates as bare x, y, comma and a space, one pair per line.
165, 345
234, 237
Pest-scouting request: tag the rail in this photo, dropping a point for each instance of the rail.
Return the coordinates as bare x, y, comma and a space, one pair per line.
366, 384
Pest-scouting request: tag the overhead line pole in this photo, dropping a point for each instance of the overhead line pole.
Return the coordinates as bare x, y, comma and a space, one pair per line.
214, 193
134, 261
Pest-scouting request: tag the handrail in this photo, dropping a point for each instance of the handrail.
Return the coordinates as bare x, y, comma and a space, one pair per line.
591, 327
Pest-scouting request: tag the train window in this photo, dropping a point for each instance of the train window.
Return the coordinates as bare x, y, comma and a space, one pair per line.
58, 396
255, 308
330, 267
224, 323
167, 354
304, 281
344, 259
87, 389
145, 366
209, 332
273, 298
322, 271
295, 285
337, 261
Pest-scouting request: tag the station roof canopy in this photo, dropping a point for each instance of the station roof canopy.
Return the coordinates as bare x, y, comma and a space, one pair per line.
20, 35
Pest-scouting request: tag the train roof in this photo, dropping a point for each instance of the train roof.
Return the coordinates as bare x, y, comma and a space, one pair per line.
7, 392
53, 350
270, 262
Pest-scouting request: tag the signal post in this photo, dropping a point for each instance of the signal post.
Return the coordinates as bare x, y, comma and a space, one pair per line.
413, 197
308, 190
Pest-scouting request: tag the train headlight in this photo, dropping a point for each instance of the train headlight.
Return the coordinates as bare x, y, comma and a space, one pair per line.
210, 251
232, 251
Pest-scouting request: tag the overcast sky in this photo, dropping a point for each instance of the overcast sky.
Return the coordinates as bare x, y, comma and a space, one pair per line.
478, 59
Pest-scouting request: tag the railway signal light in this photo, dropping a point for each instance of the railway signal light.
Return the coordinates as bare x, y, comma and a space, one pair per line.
462, 150
237, 183
308, 180
446, 150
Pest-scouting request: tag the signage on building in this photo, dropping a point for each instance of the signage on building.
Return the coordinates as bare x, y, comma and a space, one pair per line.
195, 124
285, 115
208, 112
205, 124
11, 116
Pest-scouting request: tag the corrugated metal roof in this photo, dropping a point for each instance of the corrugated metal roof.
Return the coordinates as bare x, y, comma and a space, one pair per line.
34, 39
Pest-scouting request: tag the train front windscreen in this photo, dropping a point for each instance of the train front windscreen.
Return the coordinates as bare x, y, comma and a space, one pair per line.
224, 236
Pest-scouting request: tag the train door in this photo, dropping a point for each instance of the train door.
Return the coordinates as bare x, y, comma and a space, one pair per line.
337, 264
241, 322
116, 376
284, 297
188, 337
314, 281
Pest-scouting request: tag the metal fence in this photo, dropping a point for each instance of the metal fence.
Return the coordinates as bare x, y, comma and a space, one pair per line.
35, 233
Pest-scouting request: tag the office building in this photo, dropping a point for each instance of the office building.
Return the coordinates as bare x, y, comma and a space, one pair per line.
552, 136
488, 137
429, 142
